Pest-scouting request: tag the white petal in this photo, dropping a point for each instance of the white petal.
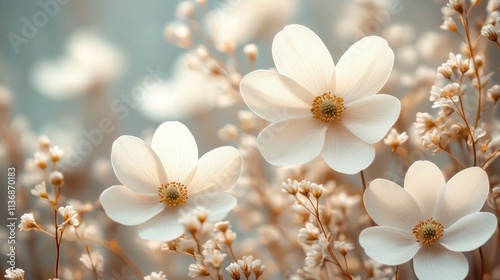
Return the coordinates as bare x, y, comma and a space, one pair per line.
364, 68
218, 204
136, 165
301, 55
370, 118
163, 227
388, 245
436, 262
463, 194
292, 142
344, 152
275, 97
469, 232
390, 205
127, 207
217, 171
424, 181
177, 150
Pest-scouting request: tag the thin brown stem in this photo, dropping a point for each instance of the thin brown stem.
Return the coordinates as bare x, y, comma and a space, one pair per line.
115, 248
481, 275
452, 156
363, 179
492, 156
58, 245
464, 117
92, 264
396, 273
327, 236
465, 23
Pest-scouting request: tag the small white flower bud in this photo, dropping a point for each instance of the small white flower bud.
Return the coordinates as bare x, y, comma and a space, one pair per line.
185, 10
44, 143
229, 132
41, 160
56, 178
251, 51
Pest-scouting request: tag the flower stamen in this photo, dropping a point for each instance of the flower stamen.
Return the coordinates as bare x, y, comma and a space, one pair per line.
327, 107
173, 193
428, 232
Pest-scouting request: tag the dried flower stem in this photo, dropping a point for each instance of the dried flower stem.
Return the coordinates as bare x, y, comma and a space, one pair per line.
481, 267
114, 247
451, 155
491, 157
470, 47
327, 235
87, 250
57, 237
363, 179
461, 113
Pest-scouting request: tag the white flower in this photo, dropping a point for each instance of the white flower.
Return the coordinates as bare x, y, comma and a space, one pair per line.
319, 108
429, 220
156, 276
242, 21
15, 274
27, 222
394, 139
343, 247
70, 216
40, 190
93, 262
163, 181
89, 62
185, 94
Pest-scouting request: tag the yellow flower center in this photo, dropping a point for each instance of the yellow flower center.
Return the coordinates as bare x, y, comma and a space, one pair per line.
173, 194
429, 231
327, 107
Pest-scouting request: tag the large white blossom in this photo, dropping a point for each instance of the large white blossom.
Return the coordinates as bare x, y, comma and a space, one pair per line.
429, 220
166, 180
318, 107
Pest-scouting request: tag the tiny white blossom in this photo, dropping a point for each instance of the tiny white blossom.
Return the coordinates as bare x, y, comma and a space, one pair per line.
14, 274
27, 222
394, 139
40, 190
70, 216
343, 247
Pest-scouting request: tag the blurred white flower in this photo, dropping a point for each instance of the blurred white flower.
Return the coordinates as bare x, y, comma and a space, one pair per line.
88, 63
93, 262
429, 220
156, 276
394, 139
185, 94
163, 181
15, 274
241, 21
319, 108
